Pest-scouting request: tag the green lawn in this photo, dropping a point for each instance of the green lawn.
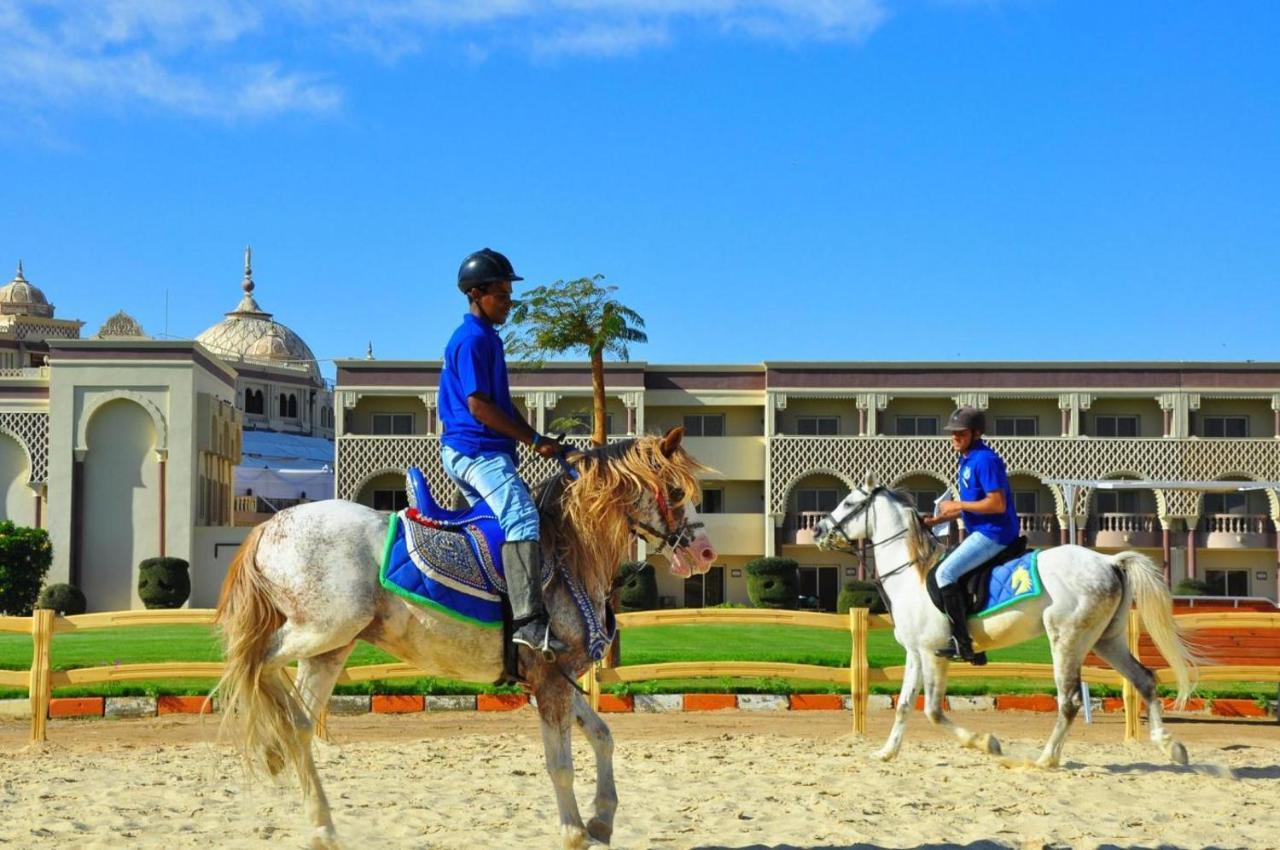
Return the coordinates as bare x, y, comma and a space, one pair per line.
649, 645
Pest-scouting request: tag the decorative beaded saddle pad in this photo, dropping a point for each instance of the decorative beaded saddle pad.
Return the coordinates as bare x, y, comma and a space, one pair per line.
450, 561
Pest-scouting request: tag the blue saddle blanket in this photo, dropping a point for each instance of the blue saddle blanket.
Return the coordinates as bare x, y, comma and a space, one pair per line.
1012, 582
450, 561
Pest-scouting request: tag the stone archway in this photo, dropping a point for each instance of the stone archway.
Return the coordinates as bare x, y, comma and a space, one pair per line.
120, 495
17, 500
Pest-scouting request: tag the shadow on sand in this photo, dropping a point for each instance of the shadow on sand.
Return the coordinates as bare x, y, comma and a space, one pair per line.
976, 845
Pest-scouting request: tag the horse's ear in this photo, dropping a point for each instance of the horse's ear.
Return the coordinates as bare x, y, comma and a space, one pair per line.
870, 481
671, 441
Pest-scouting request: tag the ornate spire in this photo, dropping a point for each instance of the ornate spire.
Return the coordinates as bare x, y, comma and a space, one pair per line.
18, 277
247, 284
247, 304
368, 355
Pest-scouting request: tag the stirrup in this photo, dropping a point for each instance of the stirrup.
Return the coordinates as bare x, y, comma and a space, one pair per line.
549, 646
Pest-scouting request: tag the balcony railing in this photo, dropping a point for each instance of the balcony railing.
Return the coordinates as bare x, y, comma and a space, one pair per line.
41, 372
801, 525
1119, 530
1039, 529
1237, 531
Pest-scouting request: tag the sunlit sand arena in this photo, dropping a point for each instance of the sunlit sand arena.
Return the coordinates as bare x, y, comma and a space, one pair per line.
713, 780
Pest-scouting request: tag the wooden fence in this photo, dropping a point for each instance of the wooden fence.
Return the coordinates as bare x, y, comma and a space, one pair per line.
859, 676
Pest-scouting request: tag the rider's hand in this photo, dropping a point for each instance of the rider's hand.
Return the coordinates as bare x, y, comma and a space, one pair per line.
931, 521
548, 447
948, 509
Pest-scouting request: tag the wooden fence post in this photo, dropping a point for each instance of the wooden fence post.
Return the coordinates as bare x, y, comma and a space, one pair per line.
1132, 704
40, 687
859, 672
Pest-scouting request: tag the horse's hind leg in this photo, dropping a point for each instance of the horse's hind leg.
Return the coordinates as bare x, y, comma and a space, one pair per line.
600, 826
555, 707
1068, 656
906, 700
935, 691
1114, 649
316, 677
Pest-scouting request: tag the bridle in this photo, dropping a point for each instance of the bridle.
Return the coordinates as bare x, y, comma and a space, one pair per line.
678, 535
844, 544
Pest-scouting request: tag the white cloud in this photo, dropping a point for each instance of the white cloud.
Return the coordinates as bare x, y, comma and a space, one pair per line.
235, 59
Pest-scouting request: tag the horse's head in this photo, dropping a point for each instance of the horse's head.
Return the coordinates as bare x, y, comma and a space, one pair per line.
646, 487
665, 515
851, 520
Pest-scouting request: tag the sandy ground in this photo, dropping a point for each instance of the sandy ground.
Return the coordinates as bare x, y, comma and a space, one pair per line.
713, 780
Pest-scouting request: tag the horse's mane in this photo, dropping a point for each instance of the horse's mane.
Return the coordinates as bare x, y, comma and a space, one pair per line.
922, 547
584, 521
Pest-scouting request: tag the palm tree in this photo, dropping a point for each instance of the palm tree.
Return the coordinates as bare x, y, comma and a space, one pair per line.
578, 315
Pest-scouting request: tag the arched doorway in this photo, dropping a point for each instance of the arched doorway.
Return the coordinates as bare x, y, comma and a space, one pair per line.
120, 499
19, 502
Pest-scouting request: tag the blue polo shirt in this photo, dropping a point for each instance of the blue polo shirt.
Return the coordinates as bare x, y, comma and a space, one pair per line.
982, 472
474, 362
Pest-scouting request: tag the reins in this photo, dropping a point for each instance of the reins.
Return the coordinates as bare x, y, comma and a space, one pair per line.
868, 503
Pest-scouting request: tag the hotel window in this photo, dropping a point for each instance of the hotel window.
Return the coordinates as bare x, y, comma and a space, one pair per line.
1226, 503
712, 501
704, 425
814, 500
1115, 426
1117, 501
1026, 502
1017, 426
817, 426
291, 409
1227, 582
917, 426
1225, 426
390, 500
392, 423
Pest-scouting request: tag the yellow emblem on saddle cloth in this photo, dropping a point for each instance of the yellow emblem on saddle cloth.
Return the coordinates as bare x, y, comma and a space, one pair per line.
1020, 581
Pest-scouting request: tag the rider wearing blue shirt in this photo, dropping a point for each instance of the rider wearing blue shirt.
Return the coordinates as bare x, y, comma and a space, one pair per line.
986, 505
480, 431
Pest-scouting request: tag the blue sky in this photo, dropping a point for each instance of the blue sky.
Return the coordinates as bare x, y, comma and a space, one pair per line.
764, 179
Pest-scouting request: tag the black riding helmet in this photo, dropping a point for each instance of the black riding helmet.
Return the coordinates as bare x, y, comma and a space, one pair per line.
966, 419
484, 267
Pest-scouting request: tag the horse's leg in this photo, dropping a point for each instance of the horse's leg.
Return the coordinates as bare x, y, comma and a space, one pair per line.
555, 707
906, 700
1068, 647
606, 803
935, 691
1114, 649
316, 677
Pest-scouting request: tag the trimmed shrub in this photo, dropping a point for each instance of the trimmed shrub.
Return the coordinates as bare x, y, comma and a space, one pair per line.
25, 556
163, 582
65, 599
860, 594
1193, 587
639, 586
773, 583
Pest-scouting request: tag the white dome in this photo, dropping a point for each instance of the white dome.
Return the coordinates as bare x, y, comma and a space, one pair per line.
248, 334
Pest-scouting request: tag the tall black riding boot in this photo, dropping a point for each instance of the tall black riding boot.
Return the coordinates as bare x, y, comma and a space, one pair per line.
522, 561
961, 645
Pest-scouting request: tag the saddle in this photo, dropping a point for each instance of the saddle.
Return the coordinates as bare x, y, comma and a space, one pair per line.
978, 583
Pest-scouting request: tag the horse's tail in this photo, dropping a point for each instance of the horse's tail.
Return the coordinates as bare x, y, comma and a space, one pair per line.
258, 701
1155, 611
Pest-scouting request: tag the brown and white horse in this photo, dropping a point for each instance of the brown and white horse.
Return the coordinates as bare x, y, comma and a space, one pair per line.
304, 588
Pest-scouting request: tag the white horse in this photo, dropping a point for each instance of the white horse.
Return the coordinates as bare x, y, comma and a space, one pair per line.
304, 587
1084, 606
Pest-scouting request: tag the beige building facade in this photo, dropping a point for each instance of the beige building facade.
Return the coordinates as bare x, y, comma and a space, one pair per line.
787, 440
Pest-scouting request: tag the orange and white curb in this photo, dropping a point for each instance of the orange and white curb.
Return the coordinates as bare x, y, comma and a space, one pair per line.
125, 707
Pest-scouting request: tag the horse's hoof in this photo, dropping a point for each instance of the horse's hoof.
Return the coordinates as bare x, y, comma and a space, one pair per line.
884, 755
1046, 763
993, 746
575, 838
1178, 753
600, 830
